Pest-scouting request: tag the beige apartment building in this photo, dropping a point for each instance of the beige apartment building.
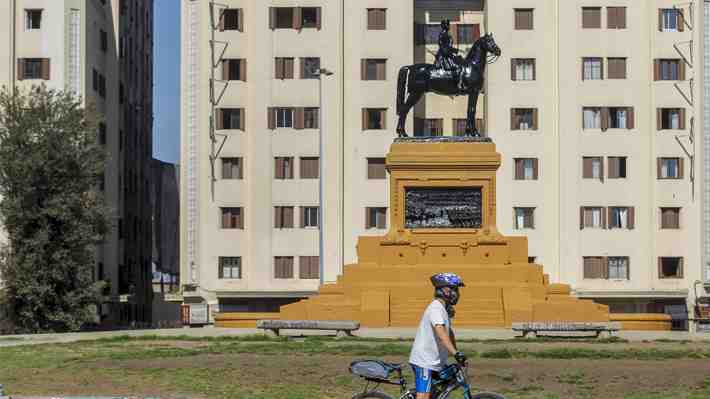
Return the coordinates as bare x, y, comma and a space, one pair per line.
102, 50
594, 107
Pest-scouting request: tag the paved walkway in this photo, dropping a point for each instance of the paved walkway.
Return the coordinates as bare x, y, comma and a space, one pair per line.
406, 333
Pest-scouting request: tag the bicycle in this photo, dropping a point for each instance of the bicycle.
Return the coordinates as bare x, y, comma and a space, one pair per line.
446, 381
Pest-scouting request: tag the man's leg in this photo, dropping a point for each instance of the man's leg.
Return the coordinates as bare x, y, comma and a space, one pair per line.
422, 381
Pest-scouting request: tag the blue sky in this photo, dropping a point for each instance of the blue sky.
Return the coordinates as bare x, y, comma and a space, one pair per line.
166, 92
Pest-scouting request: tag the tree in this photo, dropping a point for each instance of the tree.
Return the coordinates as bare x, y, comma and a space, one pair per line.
51, 208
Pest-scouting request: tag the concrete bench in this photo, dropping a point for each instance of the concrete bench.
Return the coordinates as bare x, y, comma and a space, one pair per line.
599, 329
342, 327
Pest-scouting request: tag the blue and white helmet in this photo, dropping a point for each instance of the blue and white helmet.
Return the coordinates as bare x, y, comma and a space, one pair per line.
452, 280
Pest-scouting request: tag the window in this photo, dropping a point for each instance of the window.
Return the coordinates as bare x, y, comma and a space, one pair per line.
283, 168
616, 17
593, 168
375, 218
283, 217
468, 33
670, 218
309, 216
376, 168
373, 69
591, 17
284, 17
670, 20
430, 127
283, 68
310, 118
524, 218
595, 267
668, 69
102, 133
523, 18
231, 20
374, 118
670, 168
310, 17
308, 267
310, 68
621, 217
309, 167
617, 167
460, 127
33, 68
234, 69
592, 217
33, 19
618, 267
232, 218
284, 117
618, 118
592, 68
230, 267
230, 118
376, 18
526, 168
104, 40
670, 267
283, 267
232, 168
523, 119
592, 118
522, 69
670, 118
616, 68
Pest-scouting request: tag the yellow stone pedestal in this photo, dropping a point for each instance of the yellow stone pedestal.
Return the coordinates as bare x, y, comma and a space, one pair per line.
389, 286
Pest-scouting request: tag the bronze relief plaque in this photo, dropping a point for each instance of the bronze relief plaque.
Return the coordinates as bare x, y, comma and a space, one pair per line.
442, 207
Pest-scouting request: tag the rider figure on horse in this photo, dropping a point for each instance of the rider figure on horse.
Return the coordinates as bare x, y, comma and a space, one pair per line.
447, 58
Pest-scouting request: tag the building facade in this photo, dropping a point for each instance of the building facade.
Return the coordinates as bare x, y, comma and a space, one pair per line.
102, 50
597, 135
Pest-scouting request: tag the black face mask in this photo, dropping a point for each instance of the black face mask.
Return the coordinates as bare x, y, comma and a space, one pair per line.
453, 296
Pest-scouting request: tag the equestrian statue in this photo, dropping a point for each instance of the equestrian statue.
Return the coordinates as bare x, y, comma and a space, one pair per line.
450, 75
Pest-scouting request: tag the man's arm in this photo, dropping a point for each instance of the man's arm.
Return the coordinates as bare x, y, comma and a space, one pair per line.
446, 339
453, 338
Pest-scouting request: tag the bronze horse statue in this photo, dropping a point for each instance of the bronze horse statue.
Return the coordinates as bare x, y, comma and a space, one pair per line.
465, 79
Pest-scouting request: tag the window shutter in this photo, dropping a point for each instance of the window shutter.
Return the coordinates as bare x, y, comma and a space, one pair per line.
288, 68
278, 217
226, 169
605, 118
302, 215
297, 18
242, 118
45, 68
682, 118
318, 18
302, 67
512, 69
519, 172
660, 267
681, 20
383, 118
583, 59
364, 119
535, 168
225, 219
219, 119
611, 17
279, 171
243, 70
679, 272
279, 68
608, 216
534, 68
272, 18
604, 266
298, 118
681, 69
659, 119
513, 125
240, 20
381, 222
271, 118
581, 218
621, 17
363, 69
613, 167
656, 69
381, 70
534, 117
631, 215
220, 24
681, 168
20, 69
586, 167
630, 120
601, 169
225, 69
660, 20
659, 167
288, 217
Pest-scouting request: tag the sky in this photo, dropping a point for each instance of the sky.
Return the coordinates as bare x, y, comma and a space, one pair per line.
166, 91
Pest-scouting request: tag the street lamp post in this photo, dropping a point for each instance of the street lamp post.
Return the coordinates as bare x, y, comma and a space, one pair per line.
321, 183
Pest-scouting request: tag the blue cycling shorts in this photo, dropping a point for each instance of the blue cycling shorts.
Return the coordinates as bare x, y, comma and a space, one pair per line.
422, 379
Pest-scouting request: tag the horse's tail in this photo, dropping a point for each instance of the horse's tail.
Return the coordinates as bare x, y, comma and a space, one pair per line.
401, 88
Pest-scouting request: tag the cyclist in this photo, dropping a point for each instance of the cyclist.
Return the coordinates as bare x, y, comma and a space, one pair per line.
435, 339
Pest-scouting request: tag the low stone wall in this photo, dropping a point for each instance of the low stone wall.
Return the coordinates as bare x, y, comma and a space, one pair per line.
242, 319
642, 321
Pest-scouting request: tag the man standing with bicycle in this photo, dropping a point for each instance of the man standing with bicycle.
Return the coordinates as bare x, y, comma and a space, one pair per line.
435, 339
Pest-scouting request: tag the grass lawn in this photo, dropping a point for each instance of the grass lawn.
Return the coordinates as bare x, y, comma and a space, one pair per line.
259, 368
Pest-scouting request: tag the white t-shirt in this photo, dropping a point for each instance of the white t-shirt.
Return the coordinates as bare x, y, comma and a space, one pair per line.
428, 352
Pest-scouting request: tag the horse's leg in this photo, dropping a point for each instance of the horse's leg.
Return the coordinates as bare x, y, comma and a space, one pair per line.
412, 99
402, 110
471, 114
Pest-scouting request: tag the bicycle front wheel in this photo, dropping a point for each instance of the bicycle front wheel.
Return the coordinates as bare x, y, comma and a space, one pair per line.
372, 395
